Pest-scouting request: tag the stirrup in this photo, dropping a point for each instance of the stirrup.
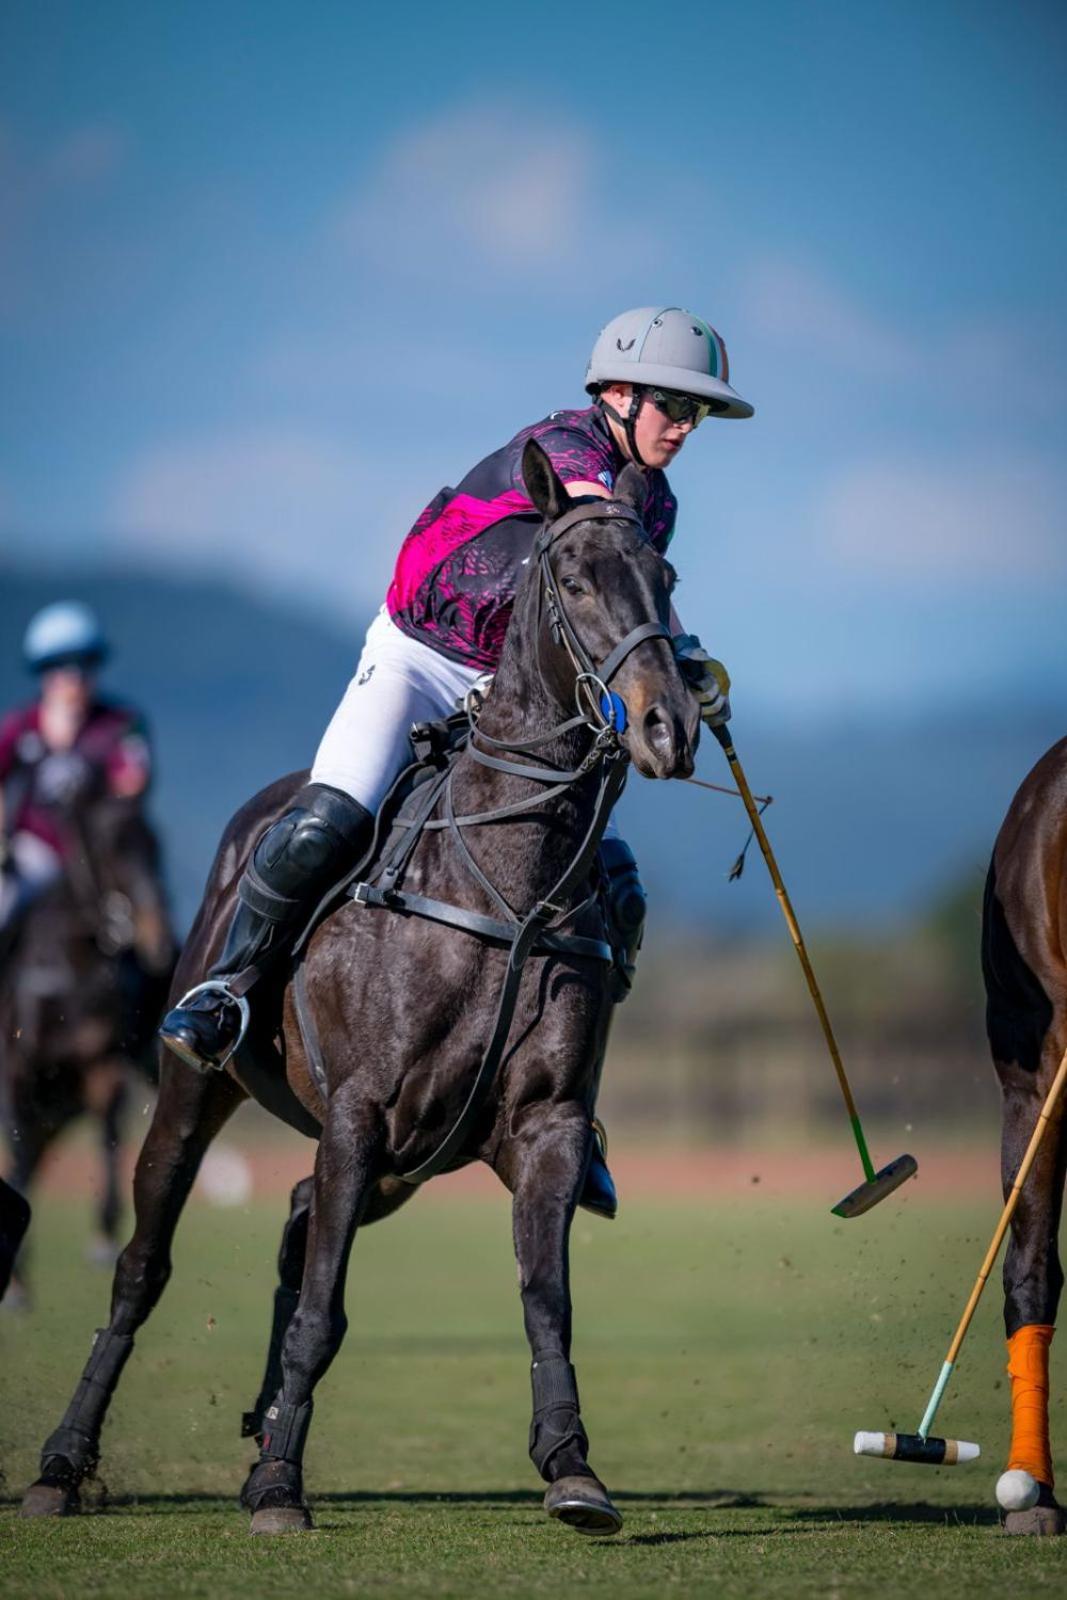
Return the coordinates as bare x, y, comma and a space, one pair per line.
220, 986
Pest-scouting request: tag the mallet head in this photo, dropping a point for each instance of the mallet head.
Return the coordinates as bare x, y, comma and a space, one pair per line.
913, 1447
883, 1183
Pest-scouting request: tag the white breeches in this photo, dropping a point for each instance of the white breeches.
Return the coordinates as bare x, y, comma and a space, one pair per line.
398, 681
36, 867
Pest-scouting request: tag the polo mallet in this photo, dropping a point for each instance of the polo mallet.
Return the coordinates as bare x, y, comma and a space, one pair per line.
876, 1185
946, 1452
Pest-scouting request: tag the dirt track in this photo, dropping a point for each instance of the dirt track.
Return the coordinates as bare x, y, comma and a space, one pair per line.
273, 1167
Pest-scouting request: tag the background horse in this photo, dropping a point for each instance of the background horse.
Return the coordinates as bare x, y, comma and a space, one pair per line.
403, 1008
80, 996
1024, 960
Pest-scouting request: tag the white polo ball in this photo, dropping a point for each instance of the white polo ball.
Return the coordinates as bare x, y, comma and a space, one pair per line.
1016, 1490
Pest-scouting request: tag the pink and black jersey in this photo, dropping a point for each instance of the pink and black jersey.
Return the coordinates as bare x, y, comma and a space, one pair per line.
113, 741
460, 565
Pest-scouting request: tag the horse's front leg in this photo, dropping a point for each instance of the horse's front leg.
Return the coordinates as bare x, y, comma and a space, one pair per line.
545, 1166
106, 1095
1033, 1280
345, 1170
291, 1257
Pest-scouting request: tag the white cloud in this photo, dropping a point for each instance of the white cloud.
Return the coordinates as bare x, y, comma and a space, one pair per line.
55, 228
798, 307
284, 509
1003, 366
487, 185
965, 522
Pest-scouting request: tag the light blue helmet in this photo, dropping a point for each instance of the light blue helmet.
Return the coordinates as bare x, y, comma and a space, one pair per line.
66, 631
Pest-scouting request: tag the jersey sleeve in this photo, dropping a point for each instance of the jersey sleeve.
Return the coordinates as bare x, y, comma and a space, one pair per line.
10, 728
574, 455
128, 764
660, 514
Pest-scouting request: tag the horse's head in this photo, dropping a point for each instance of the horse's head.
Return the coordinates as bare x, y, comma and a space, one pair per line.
603, 605
121, 854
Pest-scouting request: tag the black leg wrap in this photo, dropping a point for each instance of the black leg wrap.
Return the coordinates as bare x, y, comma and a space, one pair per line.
273, 1483
556, 1421
73, 1449
285, 1303
285, 1429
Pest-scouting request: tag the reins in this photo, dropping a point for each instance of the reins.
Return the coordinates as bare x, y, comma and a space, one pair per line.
538, 929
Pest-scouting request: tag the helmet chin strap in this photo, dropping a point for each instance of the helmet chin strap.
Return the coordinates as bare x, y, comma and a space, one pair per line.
628, 423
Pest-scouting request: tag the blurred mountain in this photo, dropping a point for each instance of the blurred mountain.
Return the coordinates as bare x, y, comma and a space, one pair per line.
873, 821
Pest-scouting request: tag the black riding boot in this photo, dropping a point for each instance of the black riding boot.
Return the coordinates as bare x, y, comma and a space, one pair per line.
626, 924
318, 839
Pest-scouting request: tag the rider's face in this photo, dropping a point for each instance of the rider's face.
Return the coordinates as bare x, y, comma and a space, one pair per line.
68, 686
659, 439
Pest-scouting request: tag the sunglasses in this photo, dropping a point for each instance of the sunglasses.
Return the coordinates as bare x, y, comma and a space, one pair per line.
683, 407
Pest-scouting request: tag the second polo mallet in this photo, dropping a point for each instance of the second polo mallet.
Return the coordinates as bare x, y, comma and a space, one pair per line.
876, 1185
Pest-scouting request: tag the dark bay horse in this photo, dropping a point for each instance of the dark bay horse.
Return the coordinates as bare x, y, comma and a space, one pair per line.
80, 995
403, 1009
1024, 962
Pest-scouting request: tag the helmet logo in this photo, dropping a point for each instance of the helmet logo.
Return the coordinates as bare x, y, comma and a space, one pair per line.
629, 346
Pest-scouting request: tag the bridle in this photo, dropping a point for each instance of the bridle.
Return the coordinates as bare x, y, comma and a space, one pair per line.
604, 712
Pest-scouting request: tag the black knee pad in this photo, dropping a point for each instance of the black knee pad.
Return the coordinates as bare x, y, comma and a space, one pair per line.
323, 829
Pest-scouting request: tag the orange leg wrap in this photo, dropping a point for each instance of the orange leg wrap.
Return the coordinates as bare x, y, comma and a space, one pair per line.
1028, 1370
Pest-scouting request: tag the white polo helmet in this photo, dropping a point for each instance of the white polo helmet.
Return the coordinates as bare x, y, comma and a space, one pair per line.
65, 631
666, 347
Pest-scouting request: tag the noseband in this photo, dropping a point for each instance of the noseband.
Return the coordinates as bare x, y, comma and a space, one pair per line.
590, 674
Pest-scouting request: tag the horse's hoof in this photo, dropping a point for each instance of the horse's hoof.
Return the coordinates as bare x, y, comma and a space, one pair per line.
281, 1519
583, 1504
1039, 1522
50, 1500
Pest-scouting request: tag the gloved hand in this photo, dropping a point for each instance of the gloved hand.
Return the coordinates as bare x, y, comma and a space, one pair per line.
708, 679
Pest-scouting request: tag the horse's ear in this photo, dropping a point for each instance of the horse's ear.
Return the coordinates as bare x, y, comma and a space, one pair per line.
632, 489
542, 482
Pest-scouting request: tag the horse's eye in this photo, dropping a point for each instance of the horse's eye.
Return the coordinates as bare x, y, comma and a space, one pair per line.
571, 586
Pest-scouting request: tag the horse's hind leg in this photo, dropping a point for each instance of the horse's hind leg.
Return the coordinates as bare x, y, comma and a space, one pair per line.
545, 1167
291, 1257
190, 1111
31, 1137
112, 1095
1033, 1280
344, 1174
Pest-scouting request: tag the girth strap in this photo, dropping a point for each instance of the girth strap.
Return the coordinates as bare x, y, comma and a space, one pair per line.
551, 942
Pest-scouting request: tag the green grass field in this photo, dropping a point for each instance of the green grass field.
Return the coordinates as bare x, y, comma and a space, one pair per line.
725, 1353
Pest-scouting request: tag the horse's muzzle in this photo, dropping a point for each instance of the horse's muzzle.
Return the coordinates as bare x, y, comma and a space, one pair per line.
661, 744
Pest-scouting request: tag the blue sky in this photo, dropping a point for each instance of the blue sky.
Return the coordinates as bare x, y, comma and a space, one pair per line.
270, 274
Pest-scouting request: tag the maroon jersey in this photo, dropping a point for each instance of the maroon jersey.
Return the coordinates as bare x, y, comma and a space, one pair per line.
460, 565
113, 743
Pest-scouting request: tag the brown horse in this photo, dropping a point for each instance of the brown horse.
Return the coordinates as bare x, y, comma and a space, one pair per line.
80, 995
404, 1008
1024, 962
